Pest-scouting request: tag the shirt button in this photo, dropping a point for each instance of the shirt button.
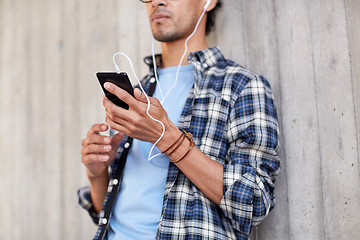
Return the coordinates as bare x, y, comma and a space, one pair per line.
115, 182
104, 221
205, 65
127, 145
152, 80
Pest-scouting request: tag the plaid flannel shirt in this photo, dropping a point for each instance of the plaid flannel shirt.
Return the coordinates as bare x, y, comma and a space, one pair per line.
231, 114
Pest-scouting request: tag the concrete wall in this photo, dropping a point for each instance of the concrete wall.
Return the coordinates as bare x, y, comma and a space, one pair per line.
50, 51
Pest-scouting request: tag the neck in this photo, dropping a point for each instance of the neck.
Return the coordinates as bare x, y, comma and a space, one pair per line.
172, 51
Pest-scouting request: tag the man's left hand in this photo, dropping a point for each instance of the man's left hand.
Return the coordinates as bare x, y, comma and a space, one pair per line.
135, 121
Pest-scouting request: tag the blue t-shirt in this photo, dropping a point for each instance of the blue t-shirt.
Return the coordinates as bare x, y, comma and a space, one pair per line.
138, 206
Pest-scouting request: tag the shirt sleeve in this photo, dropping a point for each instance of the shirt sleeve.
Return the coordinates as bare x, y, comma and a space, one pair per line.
252, 159
86, 203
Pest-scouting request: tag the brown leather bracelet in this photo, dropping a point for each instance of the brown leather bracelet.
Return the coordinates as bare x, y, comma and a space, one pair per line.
188, 135
181, 158
172, 144
177, 146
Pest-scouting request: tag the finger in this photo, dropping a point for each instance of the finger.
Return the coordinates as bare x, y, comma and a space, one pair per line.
94, 158
120, 93
155, 102
95, 148
118, 119
95, 139
116, 140
113, 109
116, 126
139, 95
97, 128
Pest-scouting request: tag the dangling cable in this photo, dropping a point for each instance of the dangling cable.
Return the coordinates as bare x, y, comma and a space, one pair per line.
156, 77
183, 56
147, 98
154, 60
155, 65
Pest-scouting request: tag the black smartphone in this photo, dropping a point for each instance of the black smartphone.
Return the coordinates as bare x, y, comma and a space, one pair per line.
119, 79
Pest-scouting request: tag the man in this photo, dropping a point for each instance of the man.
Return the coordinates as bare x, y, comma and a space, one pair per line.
215, 184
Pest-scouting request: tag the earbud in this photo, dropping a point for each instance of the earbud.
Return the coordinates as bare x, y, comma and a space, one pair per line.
207, 4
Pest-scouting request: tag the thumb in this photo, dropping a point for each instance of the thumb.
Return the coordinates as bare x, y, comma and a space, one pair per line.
139, 95
116, 140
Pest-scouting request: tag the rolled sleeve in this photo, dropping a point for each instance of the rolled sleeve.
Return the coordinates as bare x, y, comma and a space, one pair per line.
252, 160
86, 203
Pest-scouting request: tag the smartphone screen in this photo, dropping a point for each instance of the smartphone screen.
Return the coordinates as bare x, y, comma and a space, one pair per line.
119, 79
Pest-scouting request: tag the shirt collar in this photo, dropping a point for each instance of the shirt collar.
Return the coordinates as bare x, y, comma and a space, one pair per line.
204, 59
149, 61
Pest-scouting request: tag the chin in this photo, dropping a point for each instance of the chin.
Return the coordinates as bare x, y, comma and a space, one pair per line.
165, 37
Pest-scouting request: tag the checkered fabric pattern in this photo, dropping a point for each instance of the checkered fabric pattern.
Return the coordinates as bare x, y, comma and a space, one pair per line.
231, 114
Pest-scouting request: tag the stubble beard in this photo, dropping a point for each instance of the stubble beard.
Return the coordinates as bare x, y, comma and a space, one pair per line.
177, 32
168, 36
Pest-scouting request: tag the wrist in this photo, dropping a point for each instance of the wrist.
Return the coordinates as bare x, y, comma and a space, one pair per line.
98, 189
171, 135
93, 177
177, 145
183, 149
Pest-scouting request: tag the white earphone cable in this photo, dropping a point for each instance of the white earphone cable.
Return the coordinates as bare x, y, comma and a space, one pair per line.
155, 65
156, 77
183, 56
147, 98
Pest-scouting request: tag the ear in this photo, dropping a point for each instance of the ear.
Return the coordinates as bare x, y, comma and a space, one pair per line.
212, 5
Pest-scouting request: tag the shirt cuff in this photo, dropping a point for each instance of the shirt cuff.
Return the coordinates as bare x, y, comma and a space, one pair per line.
86, 203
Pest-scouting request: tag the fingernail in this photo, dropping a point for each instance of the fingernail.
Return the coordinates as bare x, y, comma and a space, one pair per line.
107, 147
107, 85
105, 157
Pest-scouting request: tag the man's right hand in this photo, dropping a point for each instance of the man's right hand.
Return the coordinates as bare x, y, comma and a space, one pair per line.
99, 151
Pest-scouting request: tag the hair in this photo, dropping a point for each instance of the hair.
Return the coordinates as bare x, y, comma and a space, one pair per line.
210, 21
